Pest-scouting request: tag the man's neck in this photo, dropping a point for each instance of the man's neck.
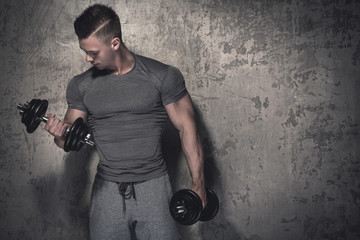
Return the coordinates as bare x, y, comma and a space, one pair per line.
124, 61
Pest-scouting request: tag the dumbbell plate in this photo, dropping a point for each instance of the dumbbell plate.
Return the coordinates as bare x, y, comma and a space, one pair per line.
75, 137
212, 206
32, 115
186, 207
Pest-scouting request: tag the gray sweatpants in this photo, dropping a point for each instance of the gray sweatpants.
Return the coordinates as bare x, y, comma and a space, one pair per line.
145, 217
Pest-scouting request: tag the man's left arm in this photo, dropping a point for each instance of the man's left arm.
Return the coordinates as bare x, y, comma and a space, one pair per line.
181, 114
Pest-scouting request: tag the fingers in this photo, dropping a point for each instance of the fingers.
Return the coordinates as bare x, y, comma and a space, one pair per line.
55, 126
204, 201
49, 121
63, 130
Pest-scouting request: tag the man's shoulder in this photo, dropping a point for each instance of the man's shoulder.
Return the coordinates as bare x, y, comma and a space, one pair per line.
155, 67
150, 62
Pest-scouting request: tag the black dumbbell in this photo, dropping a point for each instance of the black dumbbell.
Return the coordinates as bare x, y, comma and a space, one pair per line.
32, 114
186, 206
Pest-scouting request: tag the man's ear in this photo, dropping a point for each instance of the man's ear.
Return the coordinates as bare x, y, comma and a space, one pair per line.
115, 44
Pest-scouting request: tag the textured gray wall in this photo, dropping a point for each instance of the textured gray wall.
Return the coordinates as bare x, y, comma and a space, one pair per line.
275, 85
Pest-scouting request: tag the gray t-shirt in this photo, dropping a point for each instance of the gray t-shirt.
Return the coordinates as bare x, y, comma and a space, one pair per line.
126, 115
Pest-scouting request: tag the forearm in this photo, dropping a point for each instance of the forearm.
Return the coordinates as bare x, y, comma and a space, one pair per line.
193, 151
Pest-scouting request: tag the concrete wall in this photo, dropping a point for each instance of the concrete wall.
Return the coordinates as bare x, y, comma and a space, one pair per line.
275, 85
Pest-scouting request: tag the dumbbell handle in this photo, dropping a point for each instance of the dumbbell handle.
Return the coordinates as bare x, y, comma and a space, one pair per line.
45, 119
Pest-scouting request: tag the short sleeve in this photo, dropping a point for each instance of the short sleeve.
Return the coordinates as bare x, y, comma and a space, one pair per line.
172, 86
74, 97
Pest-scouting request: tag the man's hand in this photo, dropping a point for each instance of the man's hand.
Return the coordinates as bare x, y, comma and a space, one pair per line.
201, 192
57, 128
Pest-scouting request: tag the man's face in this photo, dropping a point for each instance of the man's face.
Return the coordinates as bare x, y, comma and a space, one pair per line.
98, 53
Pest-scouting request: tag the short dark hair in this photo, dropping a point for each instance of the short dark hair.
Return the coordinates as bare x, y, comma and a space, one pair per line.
100, 20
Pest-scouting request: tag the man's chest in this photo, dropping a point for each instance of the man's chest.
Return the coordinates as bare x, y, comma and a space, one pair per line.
110, 96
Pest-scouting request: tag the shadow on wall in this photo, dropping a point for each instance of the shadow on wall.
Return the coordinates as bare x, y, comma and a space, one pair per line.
215, 228
78, 177
67, 197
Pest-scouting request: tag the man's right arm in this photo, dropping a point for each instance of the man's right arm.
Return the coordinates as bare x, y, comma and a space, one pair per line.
57, 128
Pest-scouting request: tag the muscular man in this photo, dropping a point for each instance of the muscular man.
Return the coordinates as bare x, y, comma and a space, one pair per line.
126, 98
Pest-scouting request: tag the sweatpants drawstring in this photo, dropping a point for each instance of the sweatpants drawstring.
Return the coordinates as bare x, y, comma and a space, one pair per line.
123, 186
